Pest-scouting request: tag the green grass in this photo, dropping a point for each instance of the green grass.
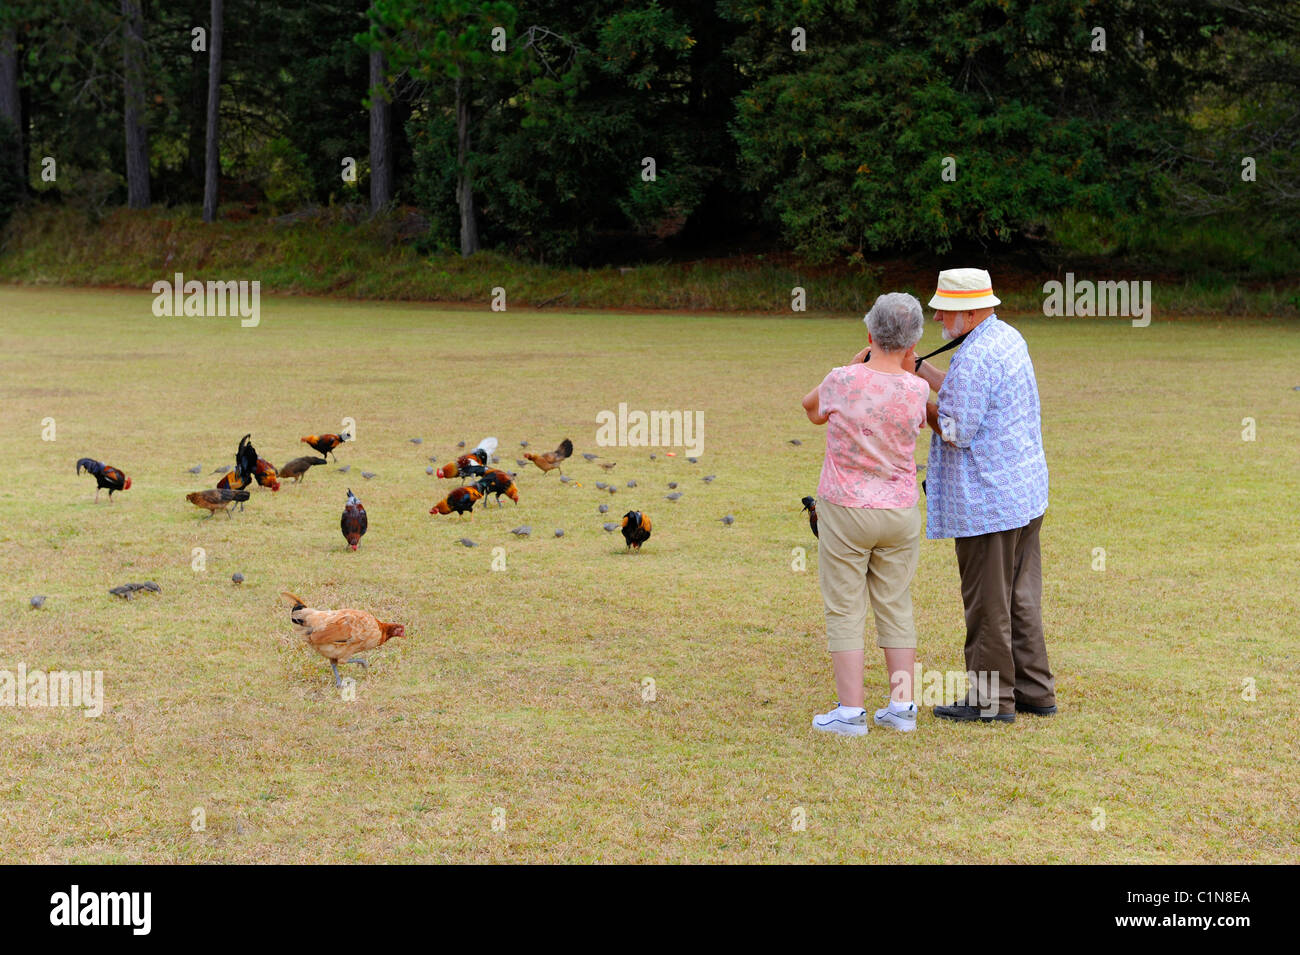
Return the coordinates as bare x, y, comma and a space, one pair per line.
521, 689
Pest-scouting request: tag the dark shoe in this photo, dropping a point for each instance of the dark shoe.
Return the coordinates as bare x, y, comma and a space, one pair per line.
1036, 710
962, 713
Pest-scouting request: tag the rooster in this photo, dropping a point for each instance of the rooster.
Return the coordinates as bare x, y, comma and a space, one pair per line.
326, 443
216, 499
298, 468
551, 459
106, 476
353, 523
460, 500
265, 474
497, 482
246, 459
636, 529
474, 463
338, 635
810, 505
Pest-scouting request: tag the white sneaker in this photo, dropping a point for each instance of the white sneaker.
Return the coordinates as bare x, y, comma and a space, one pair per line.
902, 720
846, 720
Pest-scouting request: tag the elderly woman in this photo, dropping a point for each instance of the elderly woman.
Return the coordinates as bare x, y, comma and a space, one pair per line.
870, 528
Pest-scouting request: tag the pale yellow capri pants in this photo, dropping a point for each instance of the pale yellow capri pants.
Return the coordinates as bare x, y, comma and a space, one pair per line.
868, 553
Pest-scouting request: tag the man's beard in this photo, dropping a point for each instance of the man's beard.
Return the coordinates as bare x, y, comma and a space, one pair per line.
945, 334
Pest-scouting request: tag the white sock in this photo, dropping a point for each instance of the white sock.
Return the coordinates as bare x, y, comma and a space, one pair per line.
852, 709
896, 707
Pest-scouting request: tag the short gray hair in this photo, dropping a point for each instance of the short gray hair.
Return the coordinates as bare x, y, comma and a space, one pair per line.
895, 321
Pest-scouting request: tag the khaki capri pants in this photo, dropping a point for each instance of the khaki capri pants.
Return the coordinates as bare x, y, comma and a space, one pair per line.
867, 553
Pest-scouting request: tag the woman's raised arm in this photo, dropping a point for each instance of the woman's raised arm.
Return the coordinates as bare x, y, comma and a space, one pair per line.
812, 406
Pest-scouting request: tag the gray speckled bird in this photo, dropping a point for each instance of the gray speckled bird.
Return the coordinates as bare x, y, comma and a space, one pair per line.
368, 475
196, 469
693, 460
589, 456
601, 485
237, 578
710, 478
345, 469
38, 601
631, 483
559, 532
674, 497
460, 444
522, 531
672, 485
603, 508
610, 526
564, 479
429, 470
727, 519
417, 440
796, 442
467, 542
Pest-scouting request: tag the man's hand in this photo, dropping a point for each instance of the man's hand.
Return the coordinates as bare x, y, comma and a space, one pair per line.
861, 356
932, 416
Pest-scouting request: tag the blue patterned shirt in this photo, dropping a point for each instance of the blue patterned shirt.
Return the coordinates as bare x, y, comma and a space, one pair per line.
986, 471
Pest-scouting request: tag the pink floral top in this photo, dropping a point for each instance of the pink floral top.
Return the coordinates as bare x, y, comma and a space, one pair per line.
871, 437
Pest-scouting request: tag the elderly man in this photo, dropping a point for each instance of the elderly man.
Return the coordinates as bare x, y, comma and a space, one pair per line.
986, 486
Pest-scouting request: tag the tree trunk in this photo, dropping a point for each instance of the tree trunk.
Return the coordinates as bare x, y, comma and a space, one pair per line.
212, 163
137, 138
381, 167
464, 181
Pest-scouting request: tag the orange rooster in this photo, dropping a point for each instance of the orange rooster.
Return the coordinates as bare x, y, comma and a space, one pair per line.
474, 463
497, 482
460, 500
551, 459
326, 443
266, 475
106, 476
338, 635
636, 529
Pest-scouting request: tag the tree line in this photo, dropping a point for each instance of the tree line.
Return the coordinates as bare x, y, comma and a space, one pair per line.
578, 129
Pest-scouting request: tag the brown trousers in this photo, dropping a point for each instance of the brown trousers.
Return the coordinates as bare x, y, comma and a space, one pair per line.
1002, 588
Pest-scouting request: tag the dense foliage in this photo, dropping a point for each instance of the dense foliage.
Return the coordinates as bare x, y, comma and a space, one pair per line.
834, 127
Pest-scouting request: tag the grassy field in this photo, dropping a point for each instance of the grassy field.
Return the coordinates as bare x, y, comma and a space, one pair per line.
521, 690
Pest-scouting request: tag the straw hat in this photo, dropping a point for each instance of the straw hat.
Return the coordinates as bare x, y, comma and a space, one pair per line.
963, 289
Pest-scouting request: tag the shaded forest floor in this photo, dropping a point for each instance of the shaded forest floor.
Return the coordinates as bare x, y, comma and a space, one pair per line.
342, 253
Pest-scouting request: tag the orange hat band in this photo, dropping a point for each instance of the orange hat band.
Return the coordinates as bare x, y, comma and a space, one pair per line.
964, 294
